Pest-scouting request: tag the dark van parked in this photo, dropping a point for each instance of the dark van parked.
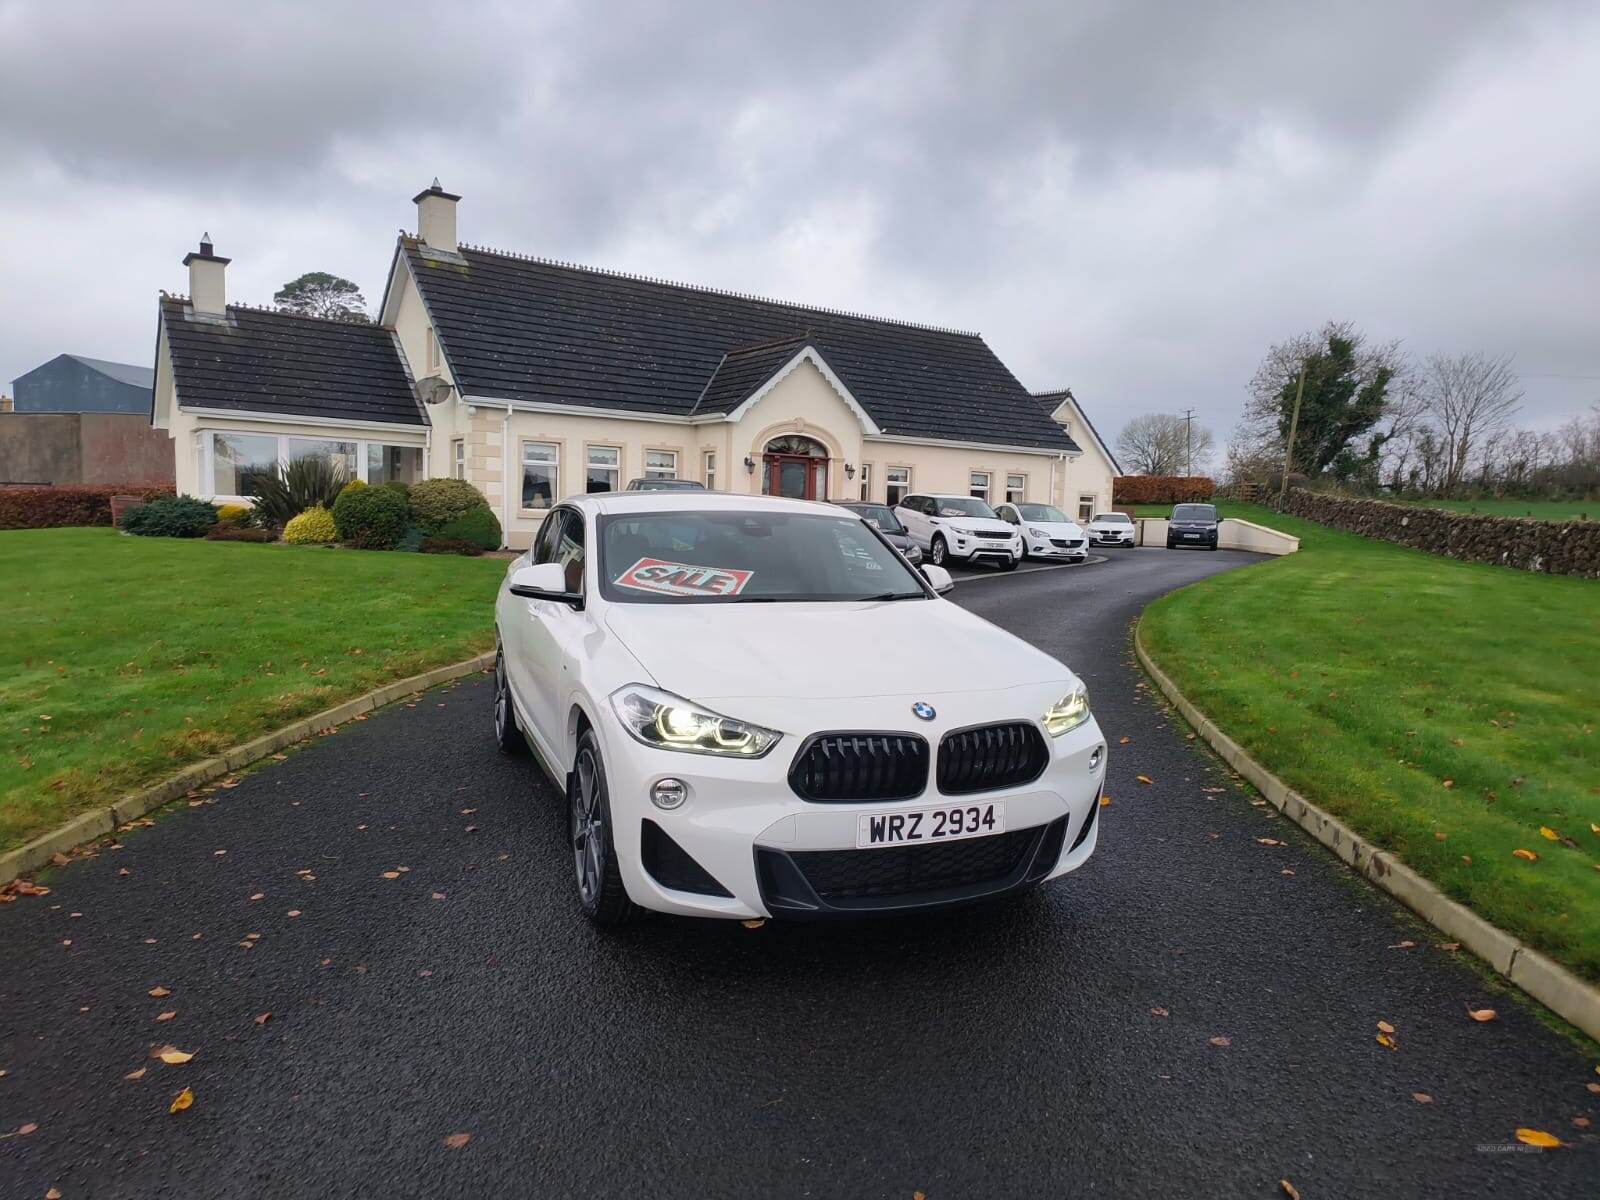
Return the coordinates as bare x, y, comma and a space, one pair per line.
1192, 525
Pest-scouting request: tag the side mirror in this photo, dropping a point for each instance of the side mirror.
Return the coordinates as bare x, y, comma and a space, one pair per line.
938, 578
544, 581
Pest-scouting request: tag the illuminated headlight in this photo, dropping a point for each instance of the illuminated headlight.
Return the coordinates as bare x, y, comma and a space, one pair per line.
670, 722
1067, 713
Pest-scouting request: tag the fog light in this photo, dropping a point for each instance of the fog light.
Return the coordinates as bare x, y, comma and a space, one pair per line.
669, 793
1094, 759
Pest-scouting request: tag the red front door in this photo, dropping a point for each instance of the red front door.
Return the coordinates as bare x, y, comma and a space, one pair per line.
797, 476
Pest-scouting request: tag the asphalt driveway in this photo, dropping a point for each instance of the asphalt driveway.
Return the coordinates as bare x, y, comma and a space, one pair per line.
1192, 1014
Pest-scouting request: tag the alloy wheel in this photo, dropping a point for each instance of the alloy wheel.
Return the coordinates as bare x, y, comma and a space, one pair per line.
502, 698
588, 828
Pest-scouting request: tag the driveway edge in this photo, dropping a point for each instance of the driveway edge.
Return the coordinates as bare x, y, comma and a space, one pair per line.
1540, 976
98, 822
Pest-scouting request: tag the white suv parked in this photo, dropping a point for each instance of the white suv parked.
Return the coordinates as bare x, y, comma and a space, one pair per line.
959, 527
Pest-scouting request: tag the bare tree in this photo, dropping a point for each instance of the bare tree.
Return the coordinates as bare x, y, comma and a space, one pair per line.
1470, 397
1163, 444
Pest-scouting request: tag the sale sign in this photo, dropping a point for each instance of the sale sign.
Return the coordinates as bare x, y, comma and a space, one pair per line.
683, 579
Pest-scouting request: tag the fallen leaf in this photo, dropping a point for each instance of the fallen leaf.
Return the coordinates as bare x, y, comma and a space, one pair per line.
1221, 1041
1467, 859
455, 1141
755, 923
1526, 854
1405, 945
166, 1016
1449, 783
253, 936
1548, 834
1537, 1137
1482, 1015
293, 912
25, 1130
181, 1101
438, 895
1286, 871
1422, 1097
1289, 1189
171, 1055
1451, 947
1269, 842
1593, 1087
53, 1194
1159, 1012
1440, 835
1387, 1042
471, 829
391, 874
135, 1075
1104, 801
263, 1018
1386, 1027
1581, 1122
1124, 741
1144, 779
467, 812
59, 860
159, 992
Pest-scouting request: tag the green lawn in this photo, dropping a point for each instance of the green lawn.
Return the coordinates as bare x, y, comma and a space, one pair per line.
126, 658
1445, 710
1542, 510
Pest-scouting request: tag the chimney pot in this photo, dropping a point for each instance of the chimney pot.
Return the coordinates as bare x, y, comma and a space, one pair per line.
208, 292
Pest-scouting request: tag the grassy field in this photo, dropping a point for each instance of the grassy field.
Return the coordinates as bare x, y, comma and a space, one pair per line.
126, 658
1445, 710
1540, 510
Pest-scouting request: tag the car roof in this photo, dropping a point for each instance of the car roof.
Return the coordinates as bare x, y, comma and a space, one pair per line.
691, 500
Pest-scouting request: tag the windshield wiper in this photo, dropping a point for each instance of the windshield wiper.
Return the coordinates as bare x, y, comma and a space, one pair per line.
893, 596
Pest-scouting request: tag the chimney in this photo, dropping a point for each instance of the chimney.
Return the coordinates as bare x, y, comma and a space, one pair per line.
207, 291
436, 218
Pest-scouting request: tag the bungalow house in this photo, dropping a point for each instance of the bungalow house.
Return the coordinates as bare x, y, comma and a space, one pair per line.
536, 380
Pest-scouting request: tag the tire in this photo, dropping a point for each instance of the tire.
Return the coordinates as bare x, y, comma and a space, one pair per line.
939, 552
1012, 563
601, 895
1170, 546
507, 733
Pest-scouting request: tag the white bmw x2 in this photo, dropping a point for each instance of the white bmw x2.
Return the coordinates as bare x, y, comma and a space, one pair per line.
756, 707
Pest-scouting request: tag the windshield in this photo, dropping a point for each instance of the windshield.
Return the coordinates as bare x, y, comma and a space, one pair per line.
1113, 519
1042, 512
880, 515
961, 506
1194, 512
666, 485
748, 557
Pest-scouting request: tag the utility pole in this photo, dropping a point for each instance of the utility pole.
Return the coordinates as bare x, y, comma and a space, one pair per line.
1294, 427
1188, 442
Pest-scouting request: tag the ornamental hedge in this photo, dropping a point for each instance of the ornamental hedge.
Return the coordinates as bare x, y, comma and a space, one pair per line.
437, 502
1162, 489
170, 516
371, 518
58, 507
477, 525
314, 527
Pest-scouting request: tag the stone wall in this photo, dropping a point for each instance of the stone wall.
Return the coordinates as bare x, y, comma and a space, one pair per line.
1550, 547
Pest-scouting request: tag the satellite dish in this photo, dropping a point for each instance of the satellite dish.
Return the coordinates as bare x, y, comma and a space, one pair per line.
434, 389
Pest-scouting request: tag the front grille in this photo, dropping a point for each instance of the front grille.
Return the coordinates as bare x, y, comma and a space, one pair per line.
860, 766
1067, 543
898, 870
991, 756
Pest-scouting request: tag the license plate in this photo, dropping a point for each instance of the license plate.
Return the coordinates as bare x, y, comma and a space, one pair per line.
1191, 535
943, 824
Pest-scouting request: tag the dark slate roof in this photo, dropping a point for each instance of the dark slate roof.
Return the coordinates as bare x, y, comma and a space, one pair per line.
1052, 401
745, 369
525, 329
284, 363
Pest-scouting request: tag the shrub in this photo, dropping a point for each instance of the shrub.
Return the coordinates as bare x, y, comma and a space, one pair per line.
314, 527
1162, 489
476, 525
411, 541
238, 533
436, 502
450, 545
171, 516
309, 482
58, 507
371, 518
236, 514
401, 486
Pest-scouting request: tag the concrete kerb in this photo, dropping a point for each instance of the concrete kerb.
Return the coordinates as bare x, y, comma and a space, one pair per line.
98, 822
1558, 989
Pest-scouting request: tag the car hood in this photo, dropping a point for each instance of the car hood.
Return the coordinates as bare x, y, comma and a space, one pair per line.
1056, 529
916, 648
1110, 526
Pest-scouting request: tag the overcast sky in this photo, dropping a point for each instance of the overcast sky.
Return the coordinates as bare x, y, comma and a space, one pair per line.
1131, 199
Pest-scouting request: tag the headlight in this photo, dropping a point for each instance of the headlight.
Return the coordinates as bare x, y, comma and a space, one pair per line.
670, 722
968, 532
1037, 532
1067, 713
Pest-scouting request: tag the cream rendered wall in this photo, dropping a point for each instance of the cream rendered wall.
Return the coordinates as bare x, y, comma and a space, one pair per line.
802, 402
413, 330
1090, 474
948, 468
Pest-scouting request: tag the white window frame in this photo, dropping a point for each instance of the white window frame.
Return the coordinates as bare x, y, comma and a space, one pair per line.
1016, 493
458, 458
1086, 502
435, 356
614, 469
208, 455
866, 482
656, 472
889, 481
553, 462
708, 468
976, 491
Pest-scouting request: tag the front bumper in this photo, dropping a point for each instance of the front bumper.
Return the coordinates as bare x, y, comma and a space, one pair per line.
1111, 539
984, 550
1045, 548
749, 832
